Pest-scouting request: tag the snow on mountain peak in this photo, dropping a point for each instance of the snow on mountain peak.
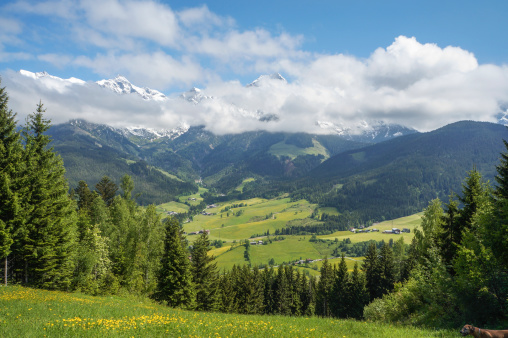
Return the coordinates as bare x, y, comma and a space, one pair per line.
265, 78
40, 75
121, 85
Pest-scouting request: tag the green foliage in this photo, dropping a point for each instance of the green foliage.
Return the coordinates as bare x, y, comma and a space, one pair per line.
204, 275
175, 285
44, 244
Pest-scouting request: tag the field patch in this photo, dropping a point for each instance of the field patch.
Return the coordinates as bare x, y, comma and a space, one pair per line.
292, 151
409, 222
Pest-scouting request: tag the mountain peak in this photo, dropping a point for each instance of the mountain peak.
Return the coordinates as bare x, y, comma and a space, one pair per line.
264, 78
121, 85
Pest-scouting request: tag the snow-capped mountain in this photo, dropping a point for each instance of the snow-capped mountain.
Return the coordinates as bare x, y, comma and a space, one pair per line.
40, 75
121, 85
264, 79
153, 134
194, 95
374, 131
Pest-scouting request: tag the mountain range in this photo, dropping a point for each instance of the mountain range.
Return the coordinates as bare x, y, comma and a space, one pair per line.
375, 171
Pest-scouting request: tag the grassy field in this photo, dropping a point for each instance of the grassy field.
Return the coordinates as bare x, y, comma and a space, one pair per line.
27, 312
292, 151
410, 222
260, 215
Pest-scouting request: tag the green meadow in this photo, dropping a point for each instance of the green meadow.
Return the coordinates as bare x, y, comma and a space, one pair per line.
26, 312
284, 149
410, 222
256, 218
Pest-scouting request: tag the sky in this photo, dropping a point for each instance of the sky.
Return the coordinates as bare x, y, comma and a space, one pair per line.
422, 64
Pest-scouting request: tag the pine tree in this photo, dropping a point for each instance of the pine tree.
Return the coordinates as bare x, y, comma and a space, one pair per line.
452, 232
324, 289
227, 294
175, 285
204, 275
10, 162
282, 295
46, 245
387, 269
372, 270
339, 291
85, 196
107, 190
358, 295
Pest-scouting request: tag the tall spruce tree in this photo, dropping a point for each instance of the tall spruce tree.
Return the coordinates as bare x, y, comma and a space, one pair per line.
204, 274
372, 270
175, 285
107, 189
10, 162
46, 247
324, 290
358, 295
339, 292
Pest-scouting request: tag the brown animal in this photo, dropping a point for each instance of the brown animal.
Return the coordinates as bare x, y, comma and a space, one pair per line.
483, 333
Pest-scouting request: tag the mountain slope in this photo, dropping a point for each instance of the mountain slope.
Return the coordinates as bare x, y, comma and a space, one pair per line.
400, 176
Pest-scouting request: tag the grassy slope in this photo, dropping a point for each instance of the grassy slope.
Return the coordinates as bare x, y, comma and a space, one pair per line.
252, 221
37, 313
410, 222
292, 151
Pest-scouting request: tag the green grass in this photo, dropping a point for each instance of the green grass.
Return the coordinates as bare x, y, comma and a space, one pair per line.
410, 222
172, 206
196, 196
260, 215
37, 313
292, 151
245, 181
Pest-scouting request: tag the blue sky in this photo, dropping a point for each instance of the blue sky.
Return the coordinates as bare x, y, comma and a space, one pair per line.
397, 61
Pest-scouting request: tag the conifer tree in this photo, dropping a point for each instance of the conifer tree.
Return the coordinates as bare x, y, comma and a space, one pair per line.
107, 190
339, 291
204, 274
387, 269
324, 290
358, 295
175, 285
85, 196
227, 294
282, 295
372, 270
10, 171
47, 243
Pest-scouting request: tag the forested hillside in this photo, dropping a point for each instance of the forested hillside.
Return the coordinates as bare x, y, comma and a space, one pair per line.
398, 177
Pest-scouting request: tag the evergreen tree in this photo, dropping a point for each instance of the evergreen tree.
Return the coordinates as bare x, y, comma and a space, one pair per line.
324, 290
387, 269
227, 294
107, 190
372, 270
204, 274
282, 293
10, 169
46, 245
452, 232
358, 295
85, 196
339, 292
175, 277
